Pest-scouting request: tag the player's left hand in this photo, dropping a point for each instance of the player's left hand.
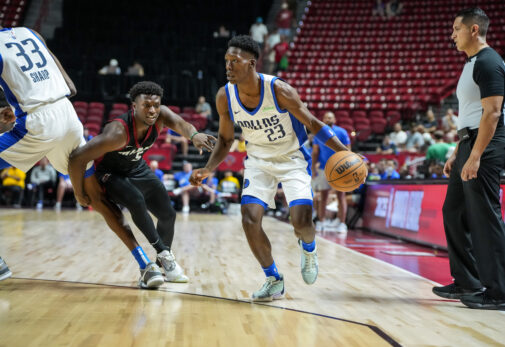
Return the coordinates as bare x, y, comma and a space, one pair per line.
470, 169
204, 141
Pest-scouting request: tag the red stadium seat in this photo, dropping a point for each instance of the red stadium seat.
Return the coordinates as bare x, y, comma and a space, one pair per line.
378, 125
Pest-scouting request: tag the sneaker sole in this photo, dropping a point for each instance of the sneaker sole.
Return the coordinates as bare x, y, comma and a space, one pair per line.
452, 296
278, 296
5, 275
500, 307
154, 283
176, 280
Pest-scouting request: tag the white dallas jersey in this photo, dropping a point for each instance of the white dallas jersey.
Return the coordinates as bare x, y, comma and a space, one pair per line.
269, 131
29, 75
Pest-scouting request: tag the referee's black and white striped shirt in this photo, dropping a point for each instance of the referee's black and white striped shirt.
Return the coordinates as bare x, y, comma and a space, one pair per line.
482, 76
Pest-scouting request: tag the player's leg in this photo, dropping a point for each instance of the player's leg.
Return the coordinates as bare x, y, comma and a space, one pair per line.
150, 274
159, 204
342, 212
258, 193
297, 188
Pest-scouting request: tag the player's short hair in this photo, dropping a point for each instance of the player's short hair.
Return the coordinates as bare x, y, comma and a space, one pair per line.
3, 99
245, 43
475, 15
146, 88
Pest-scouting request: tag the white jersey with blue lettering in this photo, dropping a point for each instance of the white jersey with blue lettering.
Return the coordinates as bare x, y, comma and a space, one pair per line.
29, 75
269, 131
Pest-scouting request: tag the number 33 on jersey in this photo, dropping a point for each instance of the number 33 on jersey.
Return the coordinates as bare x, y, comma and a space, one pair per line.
269, 131
29, 75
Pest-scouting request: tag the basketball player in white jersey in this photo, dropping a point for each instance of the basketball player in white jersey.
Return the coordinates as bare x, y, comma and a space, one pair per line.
45, 123
274, 121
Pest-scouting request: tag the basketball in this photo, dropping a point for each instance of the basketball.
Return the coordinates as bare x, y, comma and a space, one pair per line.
345, 171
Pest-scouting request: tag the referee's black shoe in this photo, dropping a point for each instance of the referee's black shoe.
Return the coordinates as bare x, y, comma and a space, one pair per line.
453, 291
483, 301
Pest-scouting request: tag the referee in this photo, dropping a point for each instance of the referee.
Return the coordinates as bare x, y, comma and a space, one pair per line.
473, 224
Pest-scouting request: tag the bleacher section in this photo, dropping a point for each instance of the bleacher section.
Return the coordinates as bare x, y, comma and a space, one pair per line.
374, 70
12, 12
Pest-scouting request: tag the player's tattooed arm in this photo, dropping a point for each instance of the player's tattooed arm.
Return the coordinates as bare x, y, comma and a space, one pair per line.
112, 138
173, 121
288, 99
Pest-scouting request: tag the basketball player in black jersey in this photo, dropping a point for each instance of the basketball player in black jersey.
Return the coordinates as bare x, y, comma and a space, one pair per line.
126, 177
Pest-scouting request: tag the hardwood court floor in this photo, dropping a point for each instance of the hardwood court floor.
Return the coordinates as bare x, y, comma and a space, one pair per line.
74, 283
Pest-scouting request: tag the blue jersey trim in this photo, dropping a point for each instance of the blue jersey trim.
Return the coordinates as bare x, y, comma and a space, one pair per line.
301, 135
300, 202
5, 29
1, 65
11, 98
261, 97
3, 163
248, 199
10, 138
230, 111
275, 97
37, 37
89, 172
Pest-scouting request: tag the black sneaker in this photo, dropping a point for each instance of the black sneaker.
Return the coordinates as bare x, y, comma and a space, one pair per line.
453, 291
4, 270
483, 301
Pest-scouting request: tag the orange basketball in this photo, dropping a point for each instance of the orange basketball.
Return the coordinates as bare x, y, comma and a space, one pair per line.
345, 171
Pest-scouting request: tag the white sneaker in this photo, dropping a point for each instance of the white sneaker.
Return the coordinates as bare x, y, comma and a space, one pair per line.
185, 209
319, 226
78, 206
341, 228
150, 277
57, 206
172, 271
272, 289
39, 206
331, 224
309, 264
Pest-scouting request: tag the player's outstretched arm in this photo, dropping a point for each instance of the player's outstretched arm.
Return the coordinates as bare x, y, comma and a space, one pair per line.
225, 139
68, 80
112, 138
288, 99
179, 125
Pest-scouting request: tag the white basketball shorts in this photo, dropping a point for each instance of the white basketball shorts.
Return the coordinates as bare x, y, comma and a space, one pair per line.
261, 178
52, 131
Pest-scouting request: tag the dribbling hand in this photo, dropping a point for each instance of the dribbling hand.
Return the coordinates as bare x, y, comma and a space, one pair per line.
198, 175
83, 199
6, 115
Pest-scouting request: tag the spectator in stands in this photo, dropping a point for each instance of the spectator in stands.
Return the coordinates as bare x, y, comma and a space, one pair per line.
390, 172
203, 108
229, 183
438, 150
387, 146
184, 187
416, 140
42, 178
13, 181
222, 32
379, 9
136, 69
269, 59
394, 8
154, 166
210, 185
238, 145
398, 136
449, 121
281, 58
172, 136
284, 20
431, 123
64, 186
111, 69
436, 170
373, 172
259, 32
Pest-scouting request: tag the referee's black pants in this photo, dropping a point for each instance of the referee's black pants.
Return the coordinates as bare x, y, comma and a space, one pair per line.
473, 224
